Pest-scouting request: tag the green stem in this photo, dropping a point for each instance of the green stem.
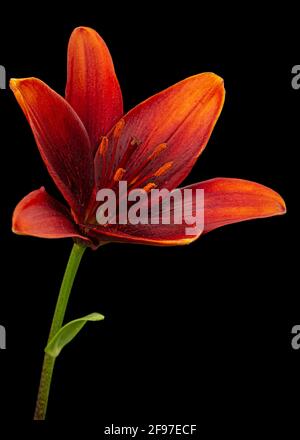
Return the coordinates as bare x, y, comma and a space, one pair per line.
58, 318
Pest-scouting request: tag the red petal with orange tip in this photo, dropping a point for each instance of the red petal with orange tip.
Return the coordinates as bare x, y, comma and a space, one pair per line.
160, 139
229, 201
61, 138
159, 235
40, 215
225, 201
92, 86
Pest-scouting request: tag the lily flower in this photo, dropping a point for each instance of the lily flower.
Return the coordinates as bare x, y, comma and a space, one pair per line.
87, 144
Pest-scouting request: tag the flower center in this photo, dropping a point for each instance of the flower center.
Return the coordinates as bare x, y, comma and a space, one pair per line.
111, 166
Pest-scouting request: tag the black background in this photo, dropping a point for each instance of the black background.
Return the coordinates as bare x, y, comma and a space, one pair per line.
196, 334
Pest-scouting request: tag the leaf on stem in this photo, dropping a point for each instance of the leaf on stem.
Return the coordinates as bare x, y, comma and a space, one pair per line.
68, 332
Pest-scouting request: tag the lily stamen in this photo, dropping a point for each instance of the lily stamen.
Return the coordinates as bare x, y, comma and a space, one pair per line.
149, 186
163, 169
119, 174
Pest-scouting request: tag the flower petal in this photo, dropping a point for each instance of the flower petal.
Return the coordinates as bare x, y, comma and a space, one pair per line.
92, 86
61, 139
225, 201
40, 215
229, 201
159, 140
159, 235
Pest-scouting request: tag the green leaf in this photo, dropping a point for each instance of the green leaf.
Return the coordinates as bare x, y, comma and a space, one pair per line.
68, 332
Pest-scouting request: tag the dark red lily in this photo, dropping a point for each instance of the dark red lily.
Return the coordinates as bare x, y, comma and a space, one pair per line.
87, 143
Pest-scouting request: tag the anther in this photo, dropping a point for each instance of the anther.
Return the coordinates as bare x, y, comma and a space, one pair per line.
118, 128
119, 174
103, 146
149, 186
157, 150
163, 169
